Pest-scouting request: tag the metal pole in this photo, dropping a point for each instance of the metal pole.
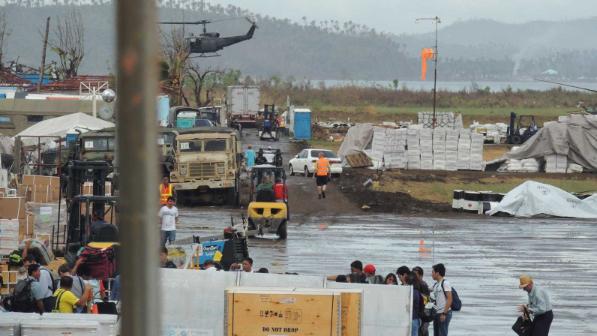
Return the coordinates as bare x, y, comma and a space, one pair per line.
137, 131
43, 56
435, 75
93, 103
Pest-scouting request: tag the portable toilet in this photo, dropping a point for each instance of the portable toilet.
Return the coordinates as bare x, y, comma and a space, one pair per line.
163, 109
301, 123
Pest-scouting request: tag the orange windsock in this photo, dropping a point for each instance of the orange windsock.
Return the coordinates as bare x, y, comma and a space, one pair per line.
426, 54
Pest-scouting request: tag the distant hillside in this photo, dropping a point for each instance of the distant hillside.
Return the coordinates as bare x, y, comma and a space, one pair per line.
471, 50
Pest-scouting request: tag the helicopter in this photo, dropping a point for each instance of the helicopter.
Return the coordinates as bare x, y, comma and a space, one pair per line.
211, 42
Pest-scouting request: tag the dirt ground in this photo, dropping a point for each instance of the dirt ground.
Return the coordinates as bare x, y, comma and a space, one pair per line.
430, 192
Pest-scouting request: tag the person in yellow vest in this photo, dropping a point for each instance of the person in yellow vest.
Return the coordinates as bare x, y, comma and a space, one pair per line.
66, 301
166, 190
322, 174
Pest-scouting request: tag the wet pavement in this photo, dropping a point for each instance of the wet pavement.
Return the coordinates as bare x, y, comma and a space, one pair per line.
483, 258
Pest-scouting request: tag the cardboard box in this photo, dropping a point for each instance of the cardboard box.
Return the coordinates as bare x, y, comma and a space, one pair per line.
41, 180
12, 207
45, 193
258, 312
24, 191
27, 226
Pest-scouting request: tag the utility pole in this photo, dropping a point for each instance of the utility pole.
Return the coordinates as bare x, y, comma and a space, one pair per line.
43, 56
437, 21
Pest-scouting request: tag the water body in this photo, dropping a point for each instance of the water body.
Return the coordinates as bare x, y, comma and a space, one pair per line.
483, 256
456, 86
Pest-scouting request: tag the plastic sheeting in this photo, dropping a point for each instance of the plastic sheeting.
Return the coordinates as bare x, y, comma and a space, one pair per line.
533, 199
356, 140
574, 137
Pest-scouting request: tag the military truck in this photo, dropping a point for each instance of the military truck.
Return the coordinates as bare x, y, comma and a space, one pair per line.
207, 166
101, 145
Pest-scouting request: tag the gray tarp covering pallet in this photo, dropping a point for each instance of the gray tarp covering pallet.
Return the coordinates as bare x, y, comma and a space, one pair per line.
575, 138
356, 140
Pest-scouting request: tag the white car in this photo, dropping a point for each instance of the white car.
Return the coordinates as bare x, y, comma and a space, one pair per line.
304, 162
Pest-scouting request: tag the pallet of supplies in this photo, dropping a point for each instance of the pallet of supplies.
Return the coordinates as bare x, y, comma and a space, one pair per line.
45, 216
42, 189
257, 312
9, 235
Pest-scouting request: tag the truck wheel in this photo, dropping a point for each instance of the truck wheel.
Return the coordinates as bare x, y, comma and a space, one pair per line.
283, 230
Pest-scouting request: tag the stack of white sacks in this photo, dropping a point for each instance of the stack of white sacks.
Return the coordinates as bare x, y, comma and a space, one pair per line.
427, 149
413, 152
426, 145
439, 149
476, 159
452, 149
556, 163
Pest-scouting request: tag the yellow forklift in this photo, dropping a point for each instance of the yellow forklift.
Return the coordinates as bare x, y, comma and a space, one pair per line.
268, 209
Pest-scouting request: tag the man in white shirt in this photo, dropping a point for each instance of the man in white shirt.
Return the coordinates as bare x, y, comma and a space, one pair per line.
441, 295
169, 217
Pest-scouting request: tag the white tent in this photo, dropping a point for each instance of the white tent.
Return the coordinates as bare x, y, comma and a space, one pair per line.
533, 199
61, 125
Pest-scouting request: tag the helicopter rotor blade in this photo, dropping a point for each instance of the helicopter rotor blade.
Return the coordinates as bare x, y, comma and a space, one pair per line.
203, 22
562, 84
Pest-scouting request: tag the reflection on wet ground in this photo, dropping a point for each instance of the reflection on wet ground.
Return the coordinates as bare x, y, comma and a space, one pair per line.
483, 257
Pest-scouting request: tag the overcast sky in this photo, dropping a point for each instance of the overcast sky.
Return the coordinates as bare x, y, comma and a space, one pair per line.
398, 16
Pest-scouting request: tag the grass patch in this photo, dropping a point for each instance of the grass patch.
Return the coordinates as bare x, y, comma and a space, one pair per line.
377, 113
441, 192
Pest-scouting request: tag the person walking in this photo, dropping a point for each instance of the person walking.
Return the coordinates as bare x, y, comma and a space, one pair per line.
250, 157
166, 190
441, 295
539, 306
169, 217
322, 174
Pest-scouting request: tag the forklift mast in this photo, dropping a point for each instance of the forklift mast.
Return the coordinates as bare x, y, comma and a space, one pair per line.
79, 172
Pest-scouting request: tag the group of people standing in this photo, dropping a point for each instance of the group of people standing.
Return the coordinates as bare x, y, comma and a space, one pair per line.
440, 294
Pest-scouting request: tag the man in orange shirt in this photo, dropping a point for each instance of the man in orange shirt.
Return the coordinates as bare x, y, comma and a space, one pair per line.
166, 190
322, 173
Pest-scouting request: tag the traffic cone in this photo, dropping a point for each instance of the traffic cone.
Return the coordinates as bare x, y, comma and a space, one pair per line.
422, 248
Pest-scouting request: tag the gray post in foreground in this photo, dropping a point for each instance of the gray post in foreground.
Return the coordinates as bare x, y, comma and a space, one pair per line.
137, 129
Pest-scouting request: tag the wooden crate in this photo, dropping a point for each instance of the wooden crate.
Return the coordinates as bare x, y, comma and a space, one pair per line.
358, 160
351, 304
258, 312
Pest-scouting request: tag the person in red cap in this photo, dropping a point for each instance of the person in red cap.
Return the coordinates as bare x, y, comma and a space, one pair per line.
369, 271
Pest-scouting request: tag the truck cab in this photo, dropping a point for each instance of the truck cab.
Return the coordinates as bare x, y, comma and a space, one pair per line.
207, 165
101, 145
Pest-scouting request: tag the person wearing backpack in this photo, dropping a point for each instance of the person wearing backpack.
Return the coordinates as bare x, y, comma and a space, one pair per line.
441, 295
27, 295
46, 281
417, 305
